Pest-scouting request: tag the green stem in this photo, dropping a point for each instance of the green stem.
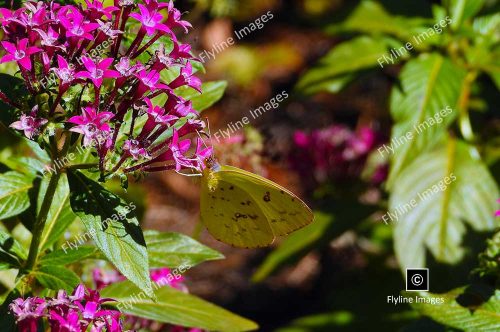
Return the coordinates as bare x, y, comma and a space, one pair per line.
41, 219
463, 106
82, 166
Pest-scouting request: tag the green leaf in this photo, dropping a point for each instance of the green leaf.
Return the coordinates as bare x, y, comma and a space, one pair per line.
461, 10
339, 217
177, 308
432, 199
64, 256
60, 215
422, 108
476, 318
14, 197
488, 25
11, 252
298, 242
173, 250
371, 18
25, 165
15, 90
113, 227
56, 277
335, 69
212, 93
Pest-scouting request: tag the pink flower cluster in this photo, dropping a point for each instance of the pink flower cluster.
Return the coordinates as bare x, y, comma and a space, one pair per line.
334, 153
87, 52
162, 277
82, 311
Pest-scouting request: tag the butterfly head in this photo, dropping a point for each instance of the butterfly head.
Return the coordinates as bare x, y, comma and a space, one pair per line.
212, 163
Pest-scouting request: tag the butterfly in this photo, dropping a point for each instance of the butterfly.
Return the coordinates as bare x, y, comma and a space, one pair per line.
247, 210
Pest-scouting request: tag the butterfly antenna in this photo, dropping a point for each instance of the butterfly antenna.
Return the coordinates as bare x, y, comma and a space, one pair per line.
199, 135
209, 133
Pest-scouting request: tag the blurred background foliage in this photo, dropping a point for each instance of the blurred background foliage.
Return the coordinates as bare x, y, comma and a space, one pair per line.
336, 274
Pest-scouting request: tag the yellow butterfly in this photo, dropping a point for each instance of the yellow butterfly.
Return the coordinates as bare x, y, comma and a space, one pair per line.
246, 210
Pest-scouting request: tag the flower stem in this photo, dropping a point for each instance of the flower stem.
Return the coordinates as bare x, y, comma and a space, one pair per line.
82, 166
41, 219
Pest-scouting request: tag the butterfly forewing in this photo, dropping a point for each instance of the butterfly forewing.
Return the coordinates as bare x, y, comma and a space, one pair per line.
232, 216
284, 211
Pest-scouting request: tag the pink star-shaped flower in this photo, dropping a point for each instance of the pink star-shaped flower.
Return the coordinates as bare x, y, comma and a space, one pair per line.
186, 77
97, 72
91, 124
30, 124
20, 53
150, 20
76, 26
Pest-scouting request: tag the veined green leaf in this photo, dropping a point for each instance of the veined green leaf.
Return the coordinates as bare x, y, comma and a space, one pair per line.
65, 256
56, 277
14, 197
60, 215
113, 227
28, 166
434, 196
423, 108
177, 308
482, 318
173, 250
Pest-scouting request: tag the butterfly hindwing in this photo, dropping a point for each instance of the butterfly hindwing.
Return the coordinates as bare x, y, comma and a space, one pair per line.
232, 216
284, 211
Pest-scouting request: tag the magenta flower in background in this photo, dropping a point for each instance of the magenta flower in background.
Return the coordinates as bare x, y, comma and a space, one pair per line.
30, 124
20, 53
334, 153
497, 214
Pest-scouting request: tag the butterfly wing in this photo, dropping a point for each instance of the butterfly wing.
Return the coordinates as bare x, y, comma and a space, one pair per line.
231, 215
284, 211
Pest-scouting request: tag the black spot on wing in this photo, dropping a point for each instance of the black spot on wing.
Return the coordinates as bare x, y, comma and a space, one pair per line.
267, 197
